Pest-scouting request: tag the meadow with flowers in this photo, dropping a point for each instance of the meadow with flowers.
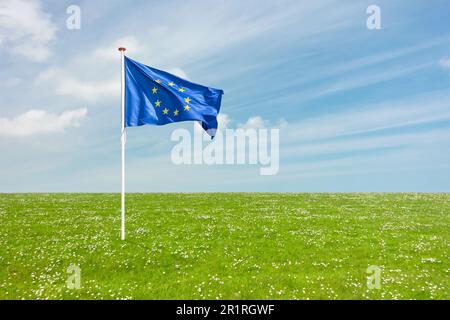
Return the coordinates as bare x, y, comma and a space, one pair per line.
225, 246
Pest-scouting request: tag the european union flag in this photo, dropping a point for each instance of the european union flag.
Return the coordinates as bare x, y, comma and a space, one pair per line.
156, 97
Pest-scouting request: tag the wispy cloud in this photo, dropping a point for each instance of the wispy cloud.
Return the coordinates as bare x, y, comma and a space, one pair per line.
411, 111
207, 29
25, 29
326, 79
445, 62
350, 83
66, 84
383, 137
377, 58
353, 165
366, 143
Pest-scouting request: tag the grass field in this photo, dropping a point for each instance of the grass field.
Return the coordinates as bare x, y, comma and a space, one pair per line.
226, 246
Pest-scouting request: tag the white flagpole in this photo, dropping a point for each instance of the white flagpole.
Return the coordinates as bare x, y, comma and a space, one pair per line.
122, 139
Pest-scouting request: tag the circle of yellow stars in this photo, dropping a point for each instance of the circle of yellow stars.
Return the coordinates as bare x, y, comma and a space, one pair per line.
166, 111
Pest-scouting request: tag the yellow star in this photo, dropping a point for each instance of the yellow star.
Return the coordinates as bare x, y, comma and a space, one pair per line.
187, 99
166, 111
158, 81
186, 107
171, 84
181, 90
154, 90
175, 113
158, 103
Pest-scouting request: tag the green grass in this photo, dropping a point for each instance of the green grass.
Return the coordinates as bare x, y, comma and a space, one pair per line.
225, 245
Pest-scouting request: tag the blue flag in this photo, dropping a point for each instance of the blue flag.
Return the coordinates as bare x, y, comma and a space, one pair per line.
156, 97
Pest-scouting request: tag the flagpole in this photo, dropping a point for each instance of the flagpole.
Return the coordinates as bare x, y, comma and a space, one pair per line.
122, 140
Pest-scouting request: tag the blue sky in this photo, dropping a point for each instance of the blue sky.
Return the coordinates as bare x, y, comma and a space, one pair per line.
365, 110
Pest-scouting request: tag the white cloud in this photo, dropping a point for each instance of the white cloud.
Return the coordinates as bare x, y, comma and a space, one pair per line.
445, 63
135, 48
40, 121
258, 122
178, 72
282, 123
254, 123
25, 29
47, 75
224, 121
66, 84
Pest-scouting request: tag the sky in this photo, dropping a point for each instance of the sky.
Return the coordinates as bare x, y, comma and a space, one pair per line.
358, 109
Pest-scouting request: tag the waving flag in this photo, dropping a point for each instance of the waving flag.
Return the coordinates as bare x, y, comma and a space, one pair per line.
156, 97
152, 96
